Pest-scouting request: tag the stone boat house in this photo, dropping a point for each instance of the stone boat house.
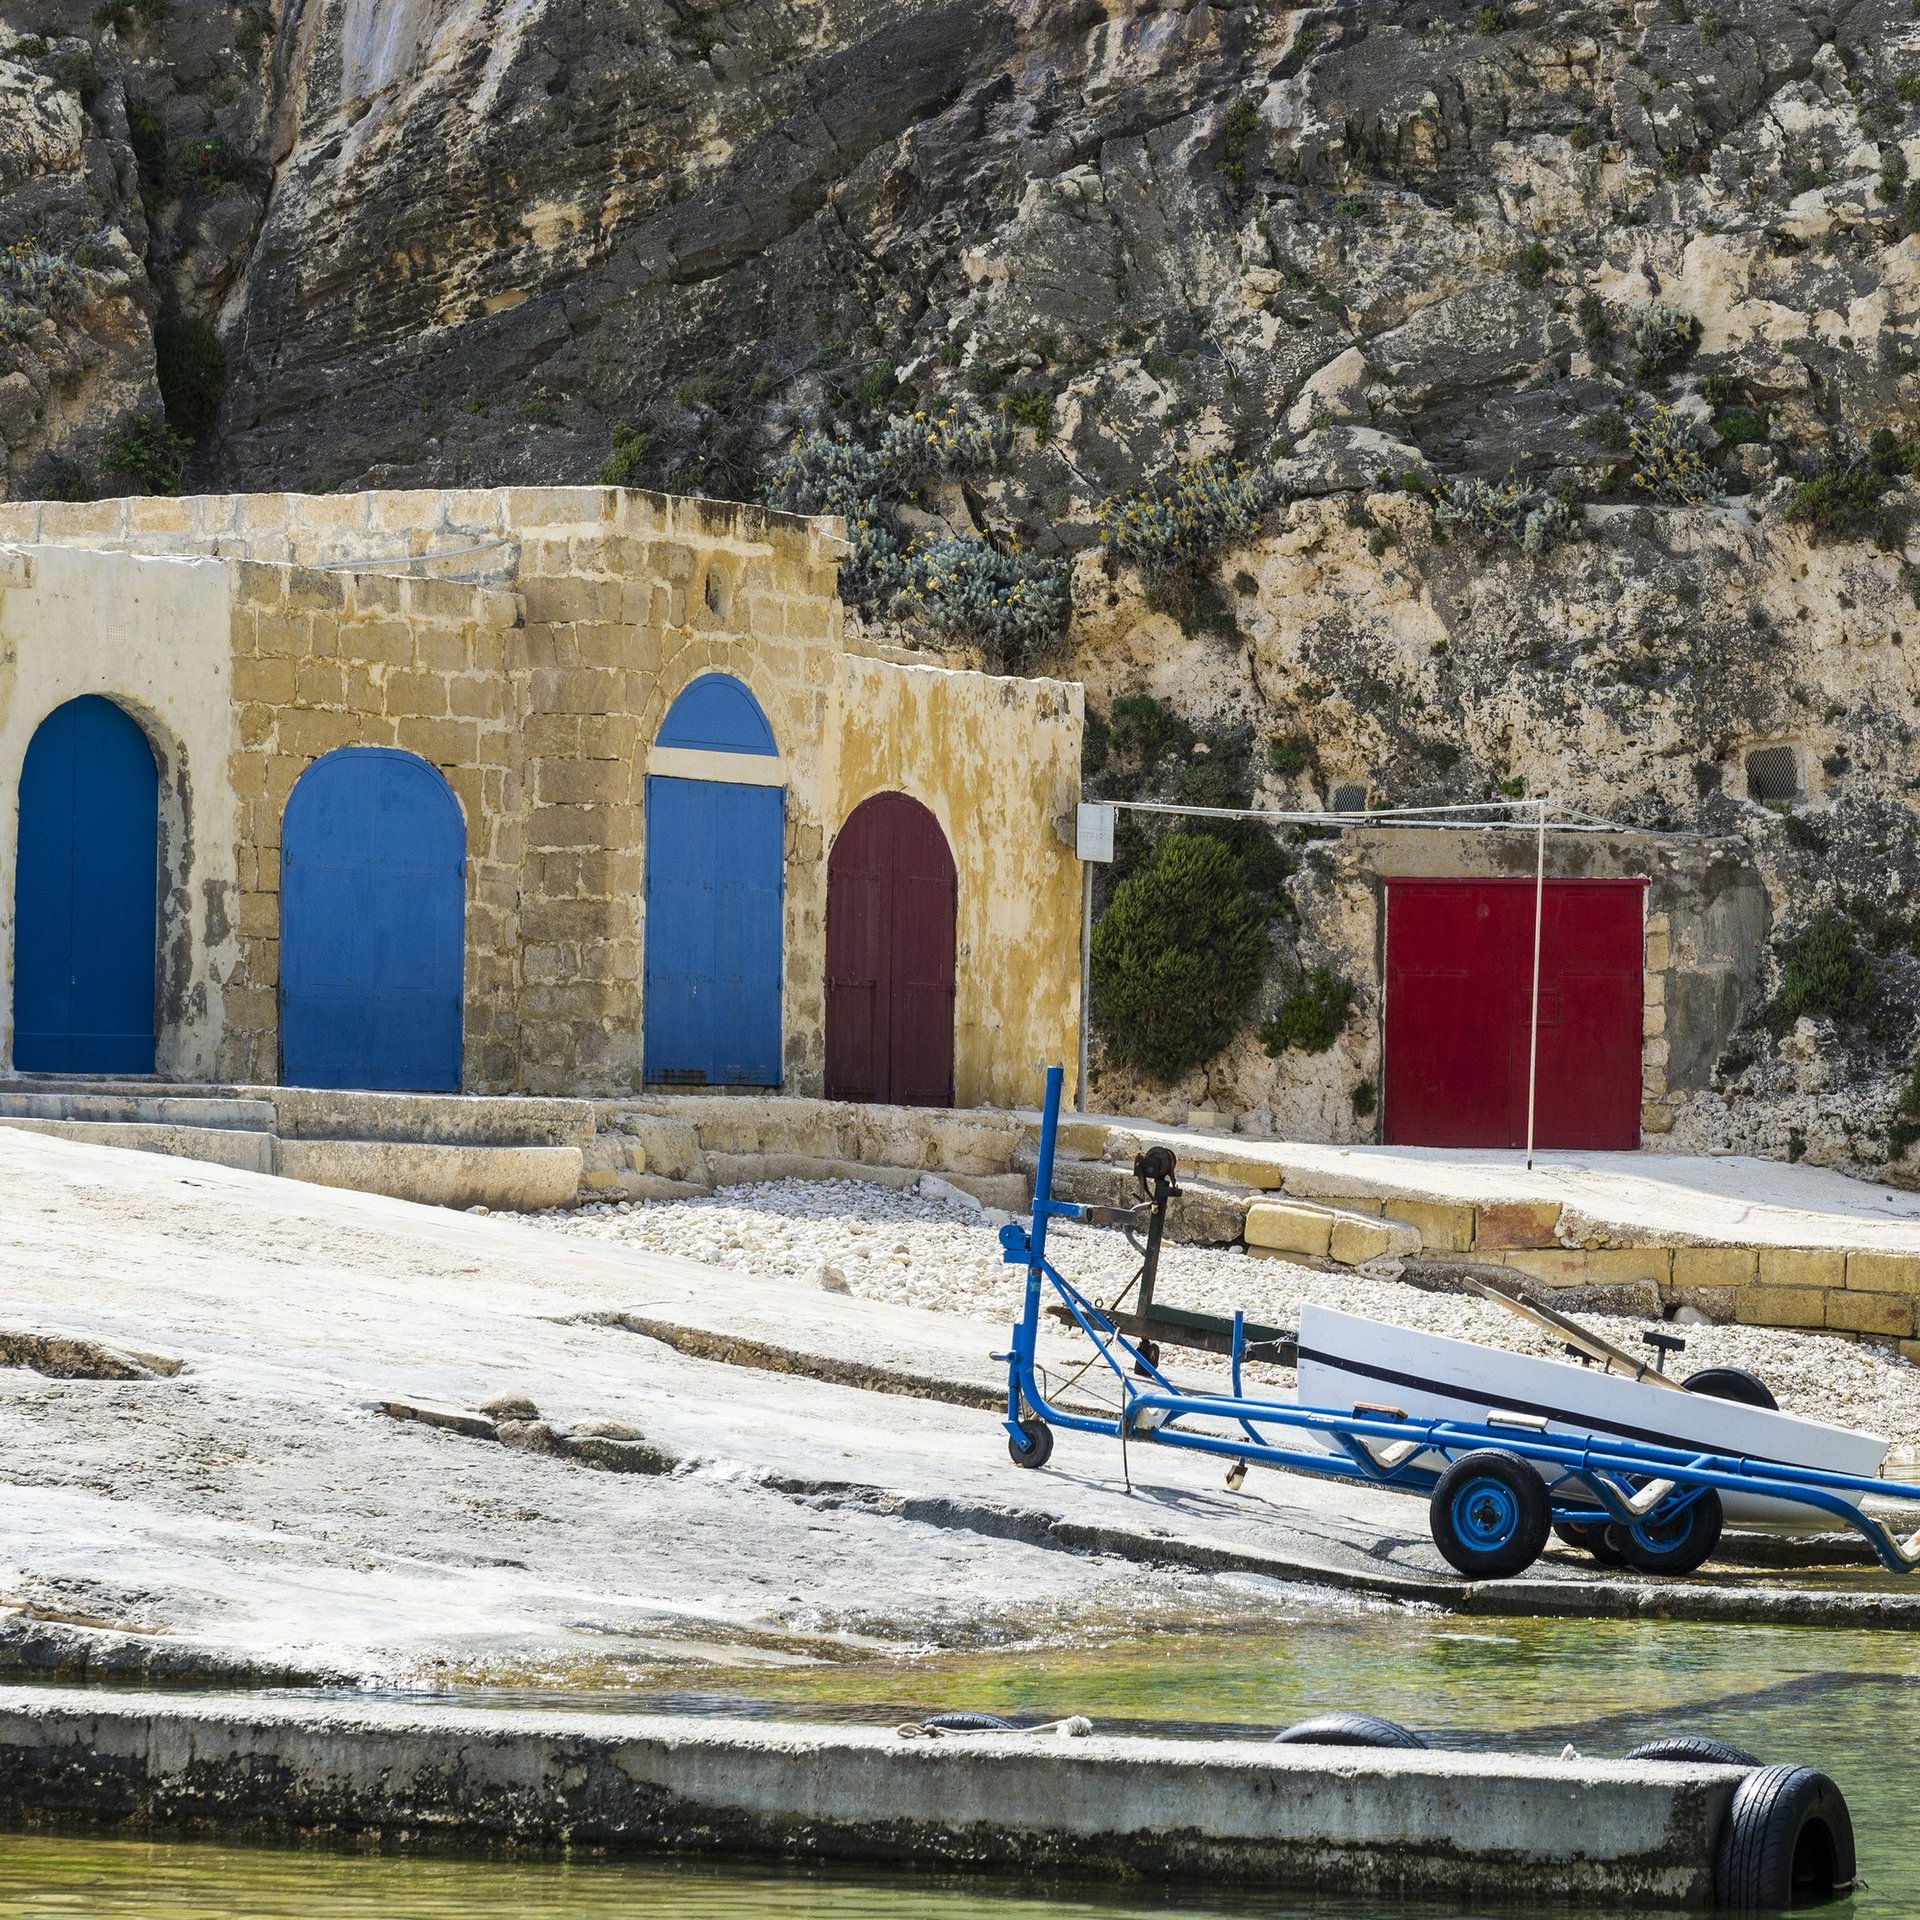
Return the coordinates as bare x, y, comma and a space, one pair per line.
530, 791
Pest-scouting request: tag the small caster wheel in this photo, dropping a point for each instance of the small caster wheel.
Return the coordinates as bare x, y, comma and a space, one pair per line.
1236, 1476
1037, 1449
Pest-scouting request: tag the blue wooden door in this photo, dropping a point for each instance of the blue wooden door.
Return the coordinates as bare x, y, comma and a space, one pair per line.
372, 925
86, 895
715, 874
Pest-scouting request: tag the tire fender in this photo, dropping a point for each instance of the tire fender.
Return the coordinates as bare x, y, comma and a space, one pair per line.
1787, 1842
1695, 1749
1348, 1730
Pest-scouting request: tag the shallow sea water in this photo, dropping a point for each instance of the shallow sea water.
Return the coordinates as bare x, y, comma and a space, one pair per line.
1846, 1702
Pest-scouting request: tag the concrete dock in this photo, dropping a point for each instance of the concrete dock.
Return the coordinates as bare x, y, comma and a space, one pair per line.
1180, 1813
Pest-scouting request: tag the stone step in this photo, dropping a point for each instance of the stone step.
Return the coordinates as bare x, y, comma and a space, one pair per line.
141, 1109
248, 1148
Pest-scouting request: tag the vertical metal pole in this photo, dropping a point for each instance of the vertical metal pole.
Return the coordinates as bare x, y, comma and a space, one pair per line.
1533, 1021
1086, 979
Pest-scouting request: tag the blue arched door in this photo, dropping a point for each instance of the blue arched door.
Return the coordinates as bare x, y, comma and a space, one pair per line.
86, 895
716, 836
372, 925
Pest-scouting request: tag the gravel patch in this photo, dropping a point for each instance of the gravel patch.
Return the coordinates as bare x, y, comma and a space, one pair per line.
937, 1249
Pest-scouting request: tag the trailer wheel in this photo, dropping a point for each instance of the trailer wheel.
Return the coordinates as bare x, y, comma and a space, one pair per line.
1588, 1536
1347, 1730
1678, 1543
1787, 1842
1039, 1443
1695, 1749
1490, 1515
1732, 1383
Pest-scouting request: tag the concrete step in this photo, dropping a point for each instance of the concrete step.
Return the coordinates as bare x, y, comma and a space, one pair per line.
141, 1109
249, 1148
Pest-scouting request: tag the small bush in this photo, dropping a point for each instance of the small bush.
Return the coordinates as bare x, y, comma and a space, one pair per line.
1031, 406
1492, 19
1608, 431
148, 452
1907, 89
624, 466
1667, 461
1311, 1016
1531, 268
191, 366
1663, 337
1293, 754
1594, 316
1179, 529
75, 70
1848, 502
1000, 597
1366, 1096
1177, 957
36, 276
1741, 427
1532, 518
1243, 121
537, 412
1144, 730
1825, 974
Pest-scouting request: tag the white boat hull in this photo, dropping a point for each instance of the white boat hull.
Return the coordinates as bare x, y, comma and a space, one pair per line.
1347, 1360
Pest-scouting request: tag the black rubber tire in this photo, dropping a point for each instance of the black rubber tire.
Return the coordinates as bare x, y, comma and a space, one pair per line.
1680, 1547
1588, 1538
1348, 1730
1787, 1842
1519, 1514
1695, 1749
1039, 1447
968, 1723
1732, 1383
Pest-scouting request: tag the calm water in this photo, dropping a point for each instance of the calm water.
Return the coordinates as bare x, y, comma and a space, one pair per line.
1847, 1702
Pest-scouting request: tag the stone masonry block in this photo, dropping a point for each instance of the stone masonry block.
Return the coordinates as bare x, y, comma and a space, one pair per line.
1598, 1267
1714, 1266
1802, 1267
1781, 1307
1443, 1226
1516, 1223
1884, 1273
1282, 1228
1883, 1313
1353, 1241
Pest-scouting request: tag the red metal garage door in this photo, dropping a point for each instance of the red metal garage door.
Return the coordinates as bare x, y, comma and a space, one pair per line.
892, 893
1459, 986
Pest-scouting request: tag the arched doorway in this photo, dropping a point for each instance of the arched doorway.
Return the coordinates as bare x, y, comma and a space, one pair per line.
892, 896
86, 894
716, 870
372, 925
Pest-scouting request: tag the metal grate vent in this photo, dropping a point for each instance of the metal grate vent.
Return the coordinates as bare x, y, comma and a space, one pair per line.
1350, 798
1773, 773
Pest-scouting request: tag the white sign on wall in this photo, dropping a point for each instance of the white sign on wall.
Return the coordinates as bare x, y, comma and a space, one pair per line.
1093, 833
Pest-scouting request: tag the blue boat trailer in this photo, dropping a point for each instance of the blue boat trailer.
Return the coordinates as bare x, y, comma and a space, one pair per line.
1501, 1487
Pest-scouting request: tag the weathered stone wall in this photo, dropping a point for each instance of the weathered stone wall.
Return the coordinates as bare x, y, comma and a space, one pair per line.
1627, 673
1004, 790
154, 636
537, 690
339, 659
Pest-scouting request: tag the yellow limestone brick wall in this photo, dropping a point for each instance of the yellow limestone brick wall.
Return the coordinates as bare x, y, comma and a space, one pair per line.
539, 698
332, 659
997, 761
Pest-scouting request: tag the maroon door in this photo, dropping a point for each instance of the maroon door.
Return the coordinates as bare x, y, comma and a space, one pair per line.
1459, 997
891, 898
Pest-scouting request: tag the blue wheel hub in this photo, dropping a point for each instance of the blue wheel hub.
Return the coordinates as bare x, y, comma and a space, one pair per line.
1485, 1514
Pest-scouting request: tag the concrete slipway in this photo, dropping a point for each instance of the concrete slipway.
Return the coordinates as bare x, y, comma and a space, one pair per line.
290, 1479
256, 1511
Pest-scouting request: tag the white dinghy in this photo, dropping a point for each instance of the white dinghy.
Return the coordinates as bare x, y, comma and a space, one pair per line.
1349, 1361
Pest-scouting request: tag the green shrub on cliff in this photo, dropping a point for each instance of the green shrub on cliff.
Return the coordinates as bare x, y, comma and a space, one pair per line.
1177, 957
1311, 1016
1825, 973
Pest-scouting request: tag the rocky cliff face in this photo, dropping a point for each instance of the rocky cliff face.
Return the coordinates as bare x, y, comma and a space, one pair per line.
1657, 261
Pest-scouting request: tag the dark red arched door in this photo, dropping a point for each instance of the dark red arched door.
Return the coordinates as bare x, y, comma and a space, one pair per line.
891, 898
